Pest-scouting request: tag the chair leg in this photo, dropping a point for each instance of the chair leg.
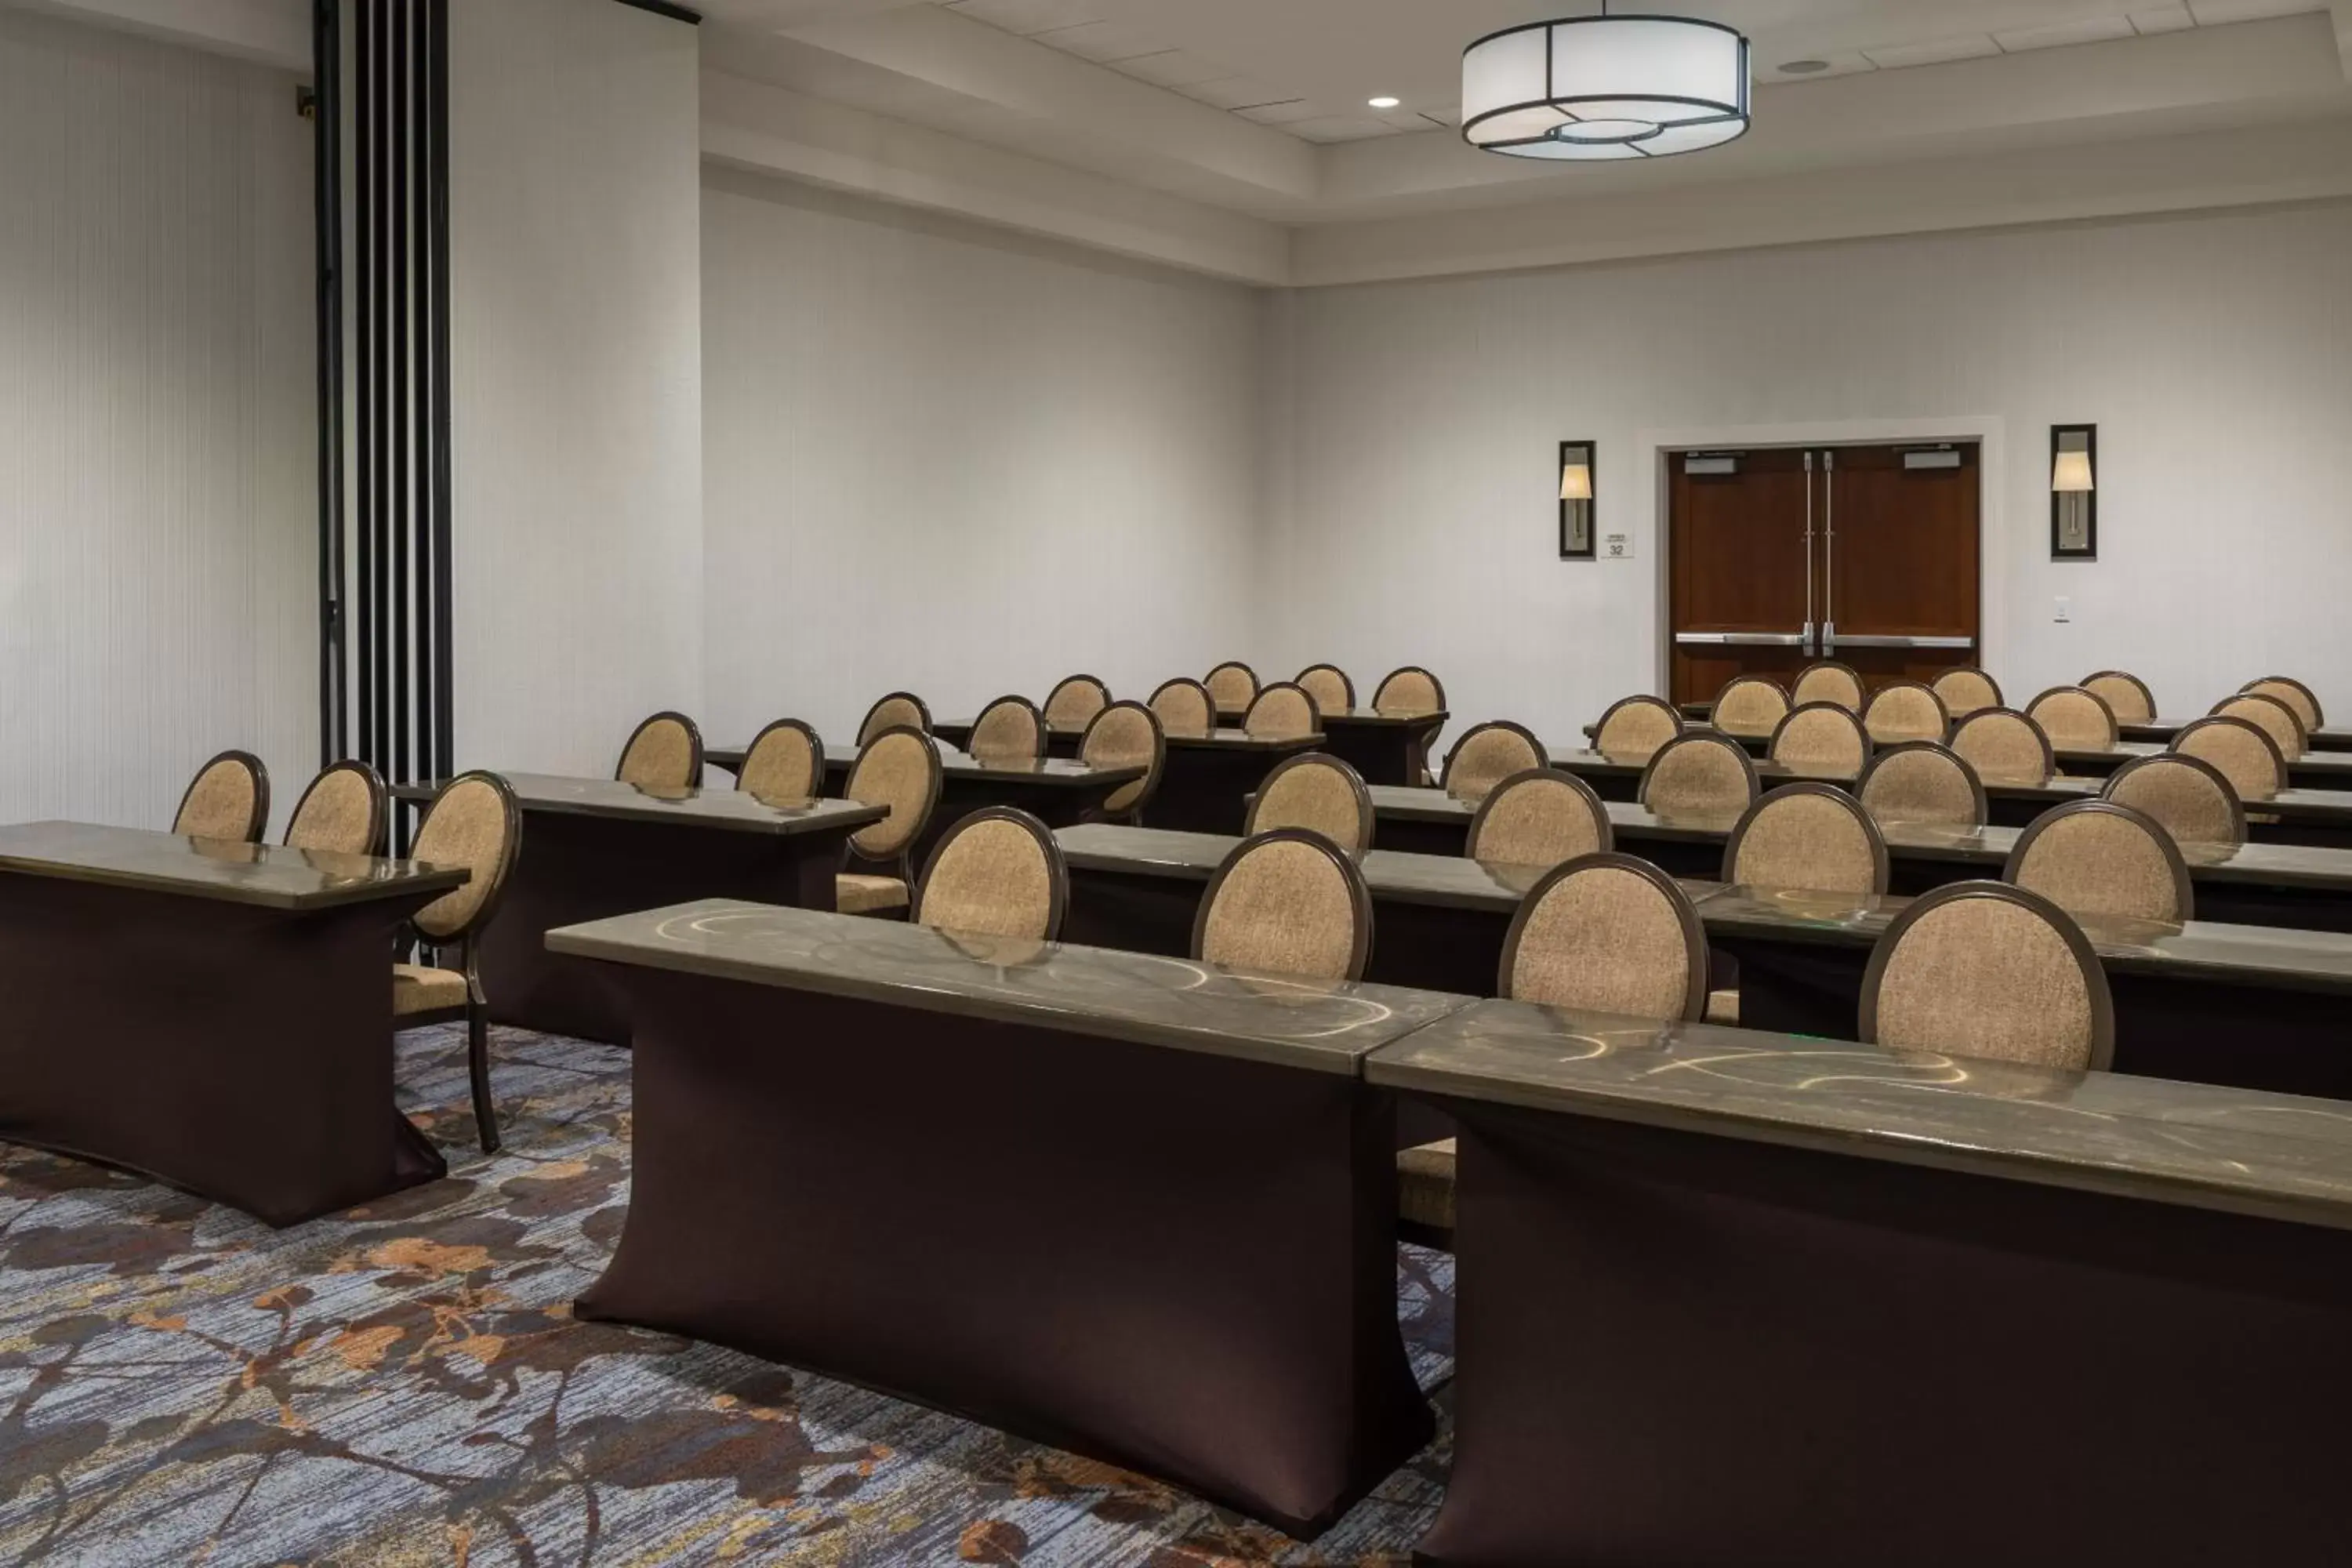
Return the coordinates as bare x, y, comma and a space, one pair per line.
478, 1061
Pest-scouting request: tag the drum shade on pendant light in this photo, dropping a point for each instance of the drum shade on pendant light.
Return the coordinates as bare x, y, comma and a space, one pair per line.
1605, 88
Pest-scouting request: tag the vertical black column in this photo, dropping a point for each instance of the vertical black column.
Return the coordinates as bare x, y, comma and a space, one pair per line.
441, 687
327, 196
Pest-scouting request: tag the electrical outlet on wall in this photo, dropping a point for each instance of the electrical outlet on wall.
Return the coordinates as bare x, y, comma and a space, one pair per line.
2065, 610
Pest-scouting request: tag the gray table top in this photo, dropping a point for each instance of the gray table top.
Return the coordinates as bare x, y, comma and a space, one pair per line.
1062, 772
268, 874
728, 810
2137, 742
1221, 739
2277, 1156
1321, 1027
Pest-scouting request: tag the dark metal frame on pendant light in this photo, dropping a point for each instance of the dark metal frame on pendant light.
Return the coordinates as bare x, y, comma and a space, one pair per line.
1591, 550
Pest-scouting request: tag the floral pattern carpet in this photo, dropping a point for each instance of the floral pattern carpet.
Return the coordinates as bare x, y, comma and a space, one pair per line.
402, 1385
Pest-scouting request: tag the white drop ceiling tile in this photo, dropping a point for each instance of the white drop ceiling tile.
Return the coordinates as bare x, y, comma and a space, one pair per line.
1850, 64
2093, 30
1902, 57
1401, 119
1029, 15
1170, 67
1340, 128
2220, 13
1289, 111
2162, 20
1233, 92
1102, 42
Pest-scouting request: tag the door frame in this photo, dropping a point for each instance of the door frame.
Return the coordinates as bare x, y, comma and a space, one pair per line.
1988, 431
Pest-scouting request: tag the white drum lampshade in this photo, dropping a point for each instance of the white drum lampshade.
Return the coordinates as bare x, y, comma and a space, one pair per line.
1600, 88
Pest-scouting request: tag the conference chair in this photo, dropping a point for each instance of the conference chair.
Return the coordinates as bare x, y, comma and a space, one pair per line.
228, 798
1287, 902
1126, 735
344, 811
899, 710
1318, 793
2096, 857
1009, 729
1749, 705
2185, 795
2240, 750
2294, 694
2272, 717
1983, 969
997, 872
1699, 773
2074, 718
1409, 690
1488, 754
786, 762
1821, 738
1232, 686
1906, 710
1282, 712
1539, 818
2125, 694
474, 822
1810, 837
899, 769
1329, 685
2004, 746
1076, 700
1965, 689
664, 753
1922, 783
1828, 681
1185, 708
1636, 726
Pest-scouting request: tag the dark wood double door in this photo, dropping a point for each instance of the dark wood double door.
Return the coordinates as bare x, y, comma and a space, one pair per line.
1779, 557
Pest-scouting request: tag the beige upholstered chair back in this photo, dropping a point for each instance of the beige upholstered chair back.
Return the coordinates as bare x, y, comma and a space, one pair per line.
2125, 695
786, 762
663, 753
1488, 754
474, 823
1232, 686
1965, 689
998, 872
343, 812
1922, 783
1608, 933
1636, 726
1700, 773
2295, 695
1749, 705
228, 798
2185, 795
2272, 717
1319, 794
1283, 711
2004, 746
1828, 681
1813, 836
2074, 719
1329, 685
2241, 752
900, 710
1185, 708
1823, 738
1906, 710
1981, 969
1287, 903
1410, 691
1009, 729
899, 769
1126, 735
2096, 857
1076, 700
1539, 818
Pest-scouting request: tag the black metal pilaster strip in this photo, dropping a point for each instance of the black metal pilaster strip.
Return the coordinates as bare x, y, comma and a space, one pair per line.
368, 288
403, 355
436, 119
327, 197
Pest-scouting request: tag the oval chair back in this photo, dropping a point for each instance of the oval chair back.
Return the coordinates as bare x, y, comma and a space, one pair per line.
1828, 681
1810, 837
1287, 903
1233, 687
1539, 818
2004, 746
1318, 793
2125, 695
1009, 729
1329, 685
997, 872
1488, 754
899, 769
1821, 738
2096, 857
1983, 969
343, 812
663, 753
1636, 726
2272, 717
1965, 689
2240, 750
1923, 782
2294, 694
1075, 701
899, 710
228, 798
1607, 933
2074, 719
786, 762
1699, 773
1185, 708
1906, 710
474, 822
1126, 735
1283, 711
1410, 691
2185, 795
1749, 706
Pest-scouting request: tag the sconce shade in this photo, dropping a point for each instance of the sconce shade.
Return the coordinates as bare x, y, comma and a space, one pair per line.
1576, 482
2071, 474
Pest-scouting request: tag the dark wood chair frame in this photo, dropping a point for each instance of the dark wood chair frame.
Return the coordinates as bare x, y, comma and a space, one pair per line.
2102, 1004
1900, 748
1605, 837
1705, 738
467, 939
2184, 890
1159, 770
694, 744
1882, 865
1366, 817
2176, 759
1358, 895
379, 801
1685, 915
256, 770
1057, 869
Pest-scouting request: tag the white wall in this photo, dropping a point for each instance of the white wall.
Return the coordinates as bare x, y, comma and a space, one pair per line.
575, 319
158, 518
1411, 500
962, 462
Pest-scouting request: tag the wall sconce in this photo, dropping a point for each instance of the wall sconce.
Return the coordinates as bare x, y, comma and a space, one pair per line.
1576, 462
2074, 492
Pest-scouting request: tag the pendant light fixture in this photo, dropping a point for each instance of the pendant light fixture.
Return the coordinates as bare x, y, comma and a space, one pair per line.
1604, 87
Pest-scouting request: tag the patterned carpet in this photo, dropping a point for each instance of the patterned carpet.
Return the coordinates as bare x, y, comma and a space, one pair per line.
402, 1385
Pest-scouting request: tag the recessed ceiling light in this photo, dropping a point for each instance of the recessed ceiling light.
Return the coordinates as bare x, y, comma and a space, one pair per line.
1804, 67
1384, 101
